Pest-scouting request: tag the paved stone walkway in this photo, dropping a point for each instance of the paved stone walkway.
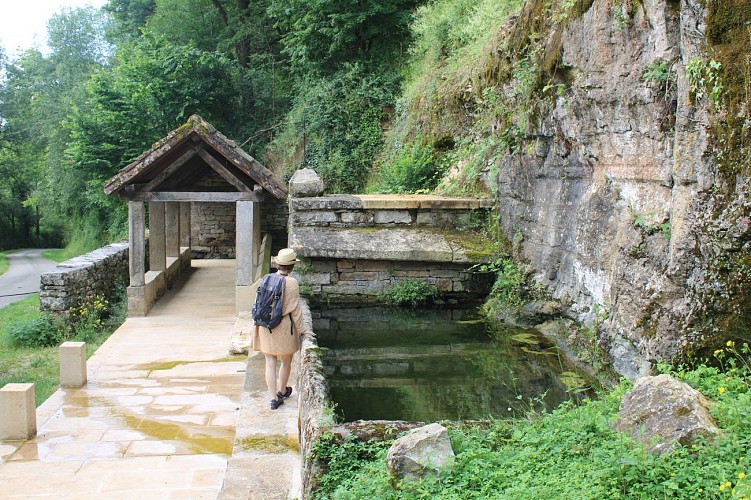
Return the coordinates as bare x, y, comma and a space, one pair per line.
164, 414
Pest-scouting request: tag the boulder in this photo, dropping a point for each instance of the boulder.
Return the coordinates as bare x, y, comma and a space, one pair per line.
422, 451
305, 183
661, 412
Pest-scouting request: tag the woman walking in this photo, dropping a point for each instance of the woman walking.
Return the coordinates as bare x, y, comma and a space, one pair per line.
283, 340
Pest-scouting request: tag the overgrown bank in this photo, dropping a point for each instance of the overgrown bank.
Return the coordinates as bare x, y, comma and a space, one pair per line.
571, 453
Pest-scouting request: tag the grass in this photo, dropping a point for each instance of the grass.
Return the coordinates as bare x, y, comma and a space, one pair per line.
41, 365
22, 364
63, 254
4, 261
573, 452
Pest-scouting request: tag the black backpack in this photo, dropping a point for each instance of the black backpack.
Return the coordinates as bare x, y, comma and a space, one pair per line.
267, 310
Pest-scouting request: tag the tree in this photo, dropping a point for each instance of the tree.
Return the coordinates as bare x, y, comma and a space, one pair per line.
321, 35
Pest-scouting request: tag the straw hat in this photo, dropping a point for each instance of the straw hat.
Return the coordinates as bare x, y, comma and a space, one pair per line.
286, 257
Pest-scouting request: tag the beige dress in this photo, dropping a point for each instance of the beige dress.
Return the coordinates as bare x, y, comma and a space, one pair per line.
285, 338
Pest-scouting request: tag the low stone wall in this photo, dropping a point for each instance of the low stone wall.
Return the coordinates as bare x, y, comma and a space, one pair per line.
95, 273
365, 280
313, 411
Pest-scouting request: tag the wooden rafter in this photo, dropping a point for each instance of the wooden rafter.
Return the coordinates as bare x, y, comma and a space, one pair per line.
224, 172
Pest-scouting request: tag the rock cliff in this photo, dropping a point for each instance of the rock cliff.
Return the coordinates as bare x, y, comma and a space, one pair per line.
615, 196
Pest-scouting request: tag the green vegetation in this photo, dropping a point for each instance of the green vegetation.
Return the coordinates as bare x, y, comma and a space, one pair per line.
29, 340
409, 292
74, 249
571, 452
4, 264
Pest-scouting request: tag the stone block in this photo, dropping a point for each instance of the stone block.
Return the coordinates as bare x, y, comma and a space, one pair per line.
359, 276
370, 265
305, 183
392, 217
314, 217
73, 364
357, 217
17, 412
316, 278
444, 284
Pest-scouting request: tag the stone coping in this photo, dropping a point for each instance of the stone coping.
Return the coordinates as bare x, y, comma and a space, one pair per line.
391, 244
390, 202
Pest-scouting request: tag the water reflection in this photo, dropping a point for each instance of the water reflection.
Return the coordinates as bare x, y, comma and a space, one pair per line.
435, 364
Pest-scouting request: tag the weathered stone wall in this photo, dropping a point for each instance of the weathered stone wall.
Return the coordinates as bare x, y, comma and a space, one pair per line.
364, 280
274, 221
354, 247
212, 230
609, 198
95, 273
213, 227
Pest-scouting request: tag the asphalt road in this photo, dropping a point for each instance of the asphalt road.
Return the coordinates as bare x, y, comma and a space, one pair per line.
22, 278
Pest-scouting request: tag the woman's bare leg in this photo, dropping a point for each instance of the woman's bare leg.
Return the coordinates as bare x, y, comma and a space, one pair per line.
271, 374
284, 371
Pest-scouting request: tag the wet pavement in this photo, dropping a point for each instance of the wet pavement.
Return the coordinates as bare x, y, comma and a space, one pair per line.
164, 414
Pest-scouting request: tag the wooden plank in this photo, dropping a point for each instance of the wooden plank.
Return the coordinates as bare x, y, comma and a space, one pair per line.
191, 196
224, 172
171, 169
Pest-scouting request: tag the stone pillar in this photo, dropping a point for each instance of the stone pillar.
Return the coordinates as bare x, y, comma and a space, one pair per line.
18, 415
247, 243
172, 229
185, 224
73, 364
185, 244
157, 248
137, 246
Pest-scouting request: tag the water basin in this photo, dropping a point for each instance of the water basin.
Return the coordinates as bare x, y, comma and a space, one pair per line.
435, 364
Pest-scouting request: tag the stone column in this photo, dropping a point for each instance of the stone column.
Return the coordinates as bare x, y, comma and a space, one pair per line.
247, 243
137, 259
185, 244
172, 228
172, 240
18, 413
185, 224
157, 245
137, 246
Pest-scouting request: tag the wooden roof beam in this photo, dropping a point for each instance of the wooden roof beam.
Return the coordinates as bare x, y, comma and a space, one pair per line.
171, 169
224, 172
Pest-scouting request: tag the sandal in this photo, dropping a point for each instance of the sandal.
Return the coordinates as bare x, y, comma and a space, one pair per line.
287, 393
276, 403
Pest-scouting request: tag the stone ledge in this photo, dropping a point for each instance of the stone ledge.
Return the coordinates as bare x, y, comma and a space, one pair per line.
392, 244
390, 202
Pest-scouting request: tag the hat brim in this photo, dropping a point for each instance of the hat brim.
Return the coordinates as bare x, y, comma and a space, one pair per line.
286, 262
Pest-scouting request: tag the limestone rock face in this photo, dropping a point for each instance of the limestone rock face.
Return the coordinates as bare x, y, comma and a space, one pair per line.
305, 183
423, 451
612, 196
661, 412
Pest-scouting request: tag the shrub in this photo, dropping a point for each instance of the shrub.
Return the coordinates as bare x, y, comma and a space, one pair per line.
411, 170
409, 292
38, 332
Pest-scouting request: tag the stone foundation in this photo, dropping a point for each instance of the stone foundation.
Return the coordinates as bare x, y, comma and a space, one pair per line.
364, 280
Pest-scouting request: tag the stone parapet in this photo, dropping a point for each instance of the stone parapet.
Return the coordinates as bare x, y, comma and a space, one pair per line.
94, 273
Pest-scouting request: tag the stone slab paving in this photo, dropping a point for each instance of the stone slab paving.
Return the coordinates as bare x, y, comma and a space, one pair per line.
159, 415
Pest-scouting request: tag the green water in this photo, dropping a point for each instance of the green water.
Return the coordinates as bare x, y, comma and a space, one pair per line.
435, 364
